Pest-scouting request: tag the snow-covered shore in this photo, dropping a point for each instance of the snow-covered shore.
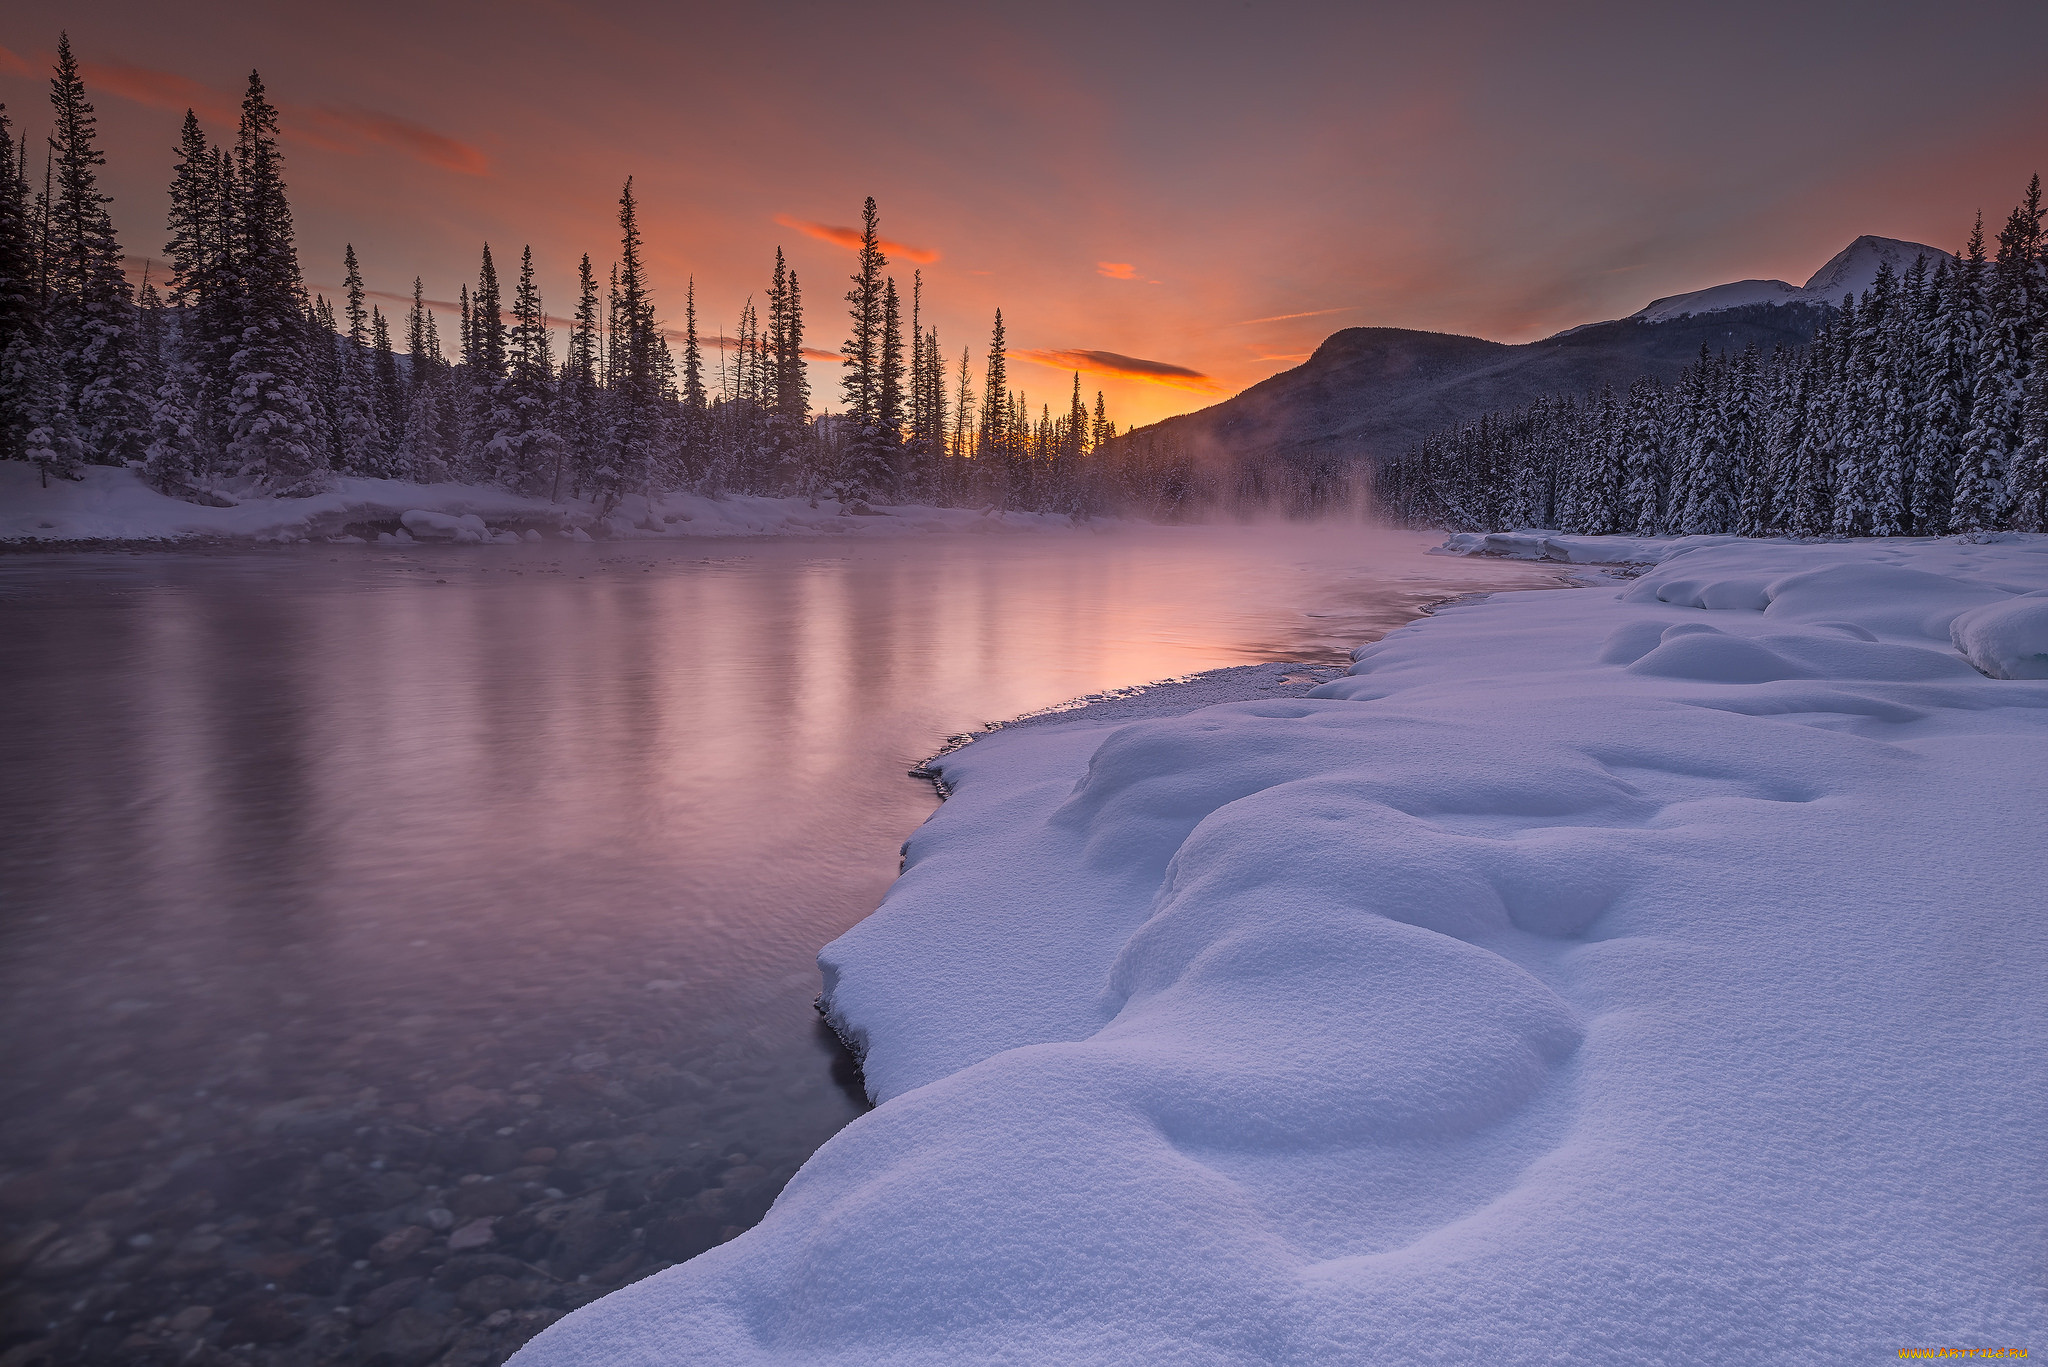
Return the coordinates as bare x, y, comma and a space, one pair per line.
117, 505
1652, 971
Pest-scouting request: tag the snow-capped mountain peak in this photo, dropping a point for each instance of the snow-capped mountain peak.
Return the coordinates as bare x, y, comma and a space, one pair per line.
1849, 271
1853, 269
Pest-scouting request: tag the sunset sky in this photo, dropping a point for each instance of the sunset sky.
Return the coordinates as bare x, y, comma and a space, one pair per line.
1182, 199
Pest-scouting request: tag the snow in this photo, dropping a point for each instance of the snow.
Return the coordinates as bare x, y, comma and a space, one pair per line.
2007, 639
1740, 294
1652, 971
1852, 270
116, 504
1572, 548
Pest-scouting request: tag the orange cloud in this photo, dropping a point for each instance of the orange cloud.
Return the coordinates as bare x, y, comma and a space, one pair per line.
850, 238
17, 65
1124, 367
1117, 270
402, 135
157, 89
333, 128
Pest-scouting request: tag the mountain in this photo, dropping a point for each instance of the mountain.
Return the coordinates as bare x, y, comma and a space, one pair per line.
1851, 270
1374, 392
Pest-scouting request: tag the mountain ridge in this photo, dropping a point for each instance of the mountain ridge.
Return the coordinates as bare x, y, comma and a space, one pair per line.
1367, 393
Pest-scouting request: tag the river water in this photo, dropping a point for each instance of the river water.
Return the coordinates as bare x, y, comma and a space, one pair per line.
400, 948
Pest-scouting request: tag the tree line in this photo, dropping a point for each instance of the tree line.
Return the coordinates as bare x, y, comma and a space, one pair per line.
1919, 409
231, 378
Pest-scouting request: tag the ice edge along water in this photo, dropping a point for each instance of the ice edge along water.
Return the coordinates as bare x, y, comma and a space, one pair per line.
1592, 975
106, 504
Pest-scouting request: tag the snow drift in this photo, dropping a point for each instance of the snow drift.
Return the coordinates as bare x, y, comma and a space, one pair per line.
1585, 977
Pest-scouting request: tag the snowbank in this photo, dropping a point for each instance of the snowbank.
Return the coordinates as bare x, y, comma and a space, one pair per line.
1573, 549
1588, 976
109, 504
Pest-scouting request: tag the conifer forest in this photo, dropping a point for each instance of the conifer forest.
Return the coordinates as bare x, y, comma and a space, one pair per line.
1919, 409
229, 376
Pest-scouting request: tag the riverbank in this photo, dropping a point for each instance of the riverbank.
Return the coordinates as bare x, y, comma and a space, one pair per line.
110, 508
1645, 970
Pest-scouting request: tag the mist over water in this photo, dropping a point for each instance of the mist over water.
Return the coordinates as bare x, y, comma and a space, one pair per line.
332, 862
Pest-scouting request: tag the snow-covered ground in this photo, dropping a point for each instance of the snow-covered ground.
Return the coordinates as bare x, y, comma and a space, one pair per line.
1648, 972
110, 504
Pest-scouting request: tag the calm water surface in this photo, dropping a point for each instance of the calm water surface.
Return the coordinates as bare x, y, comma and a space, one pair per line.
474, 892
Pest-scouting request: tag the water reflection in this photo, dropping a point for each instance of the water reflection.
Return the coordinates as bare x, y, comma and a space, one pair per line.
378, 927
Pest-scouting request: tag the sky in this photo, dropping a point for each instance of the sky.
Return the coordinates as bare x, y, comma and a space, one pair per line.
1181, 199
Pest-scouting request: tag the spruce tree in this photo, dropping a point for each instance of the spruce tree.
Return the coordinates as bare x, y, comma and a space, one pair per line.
889, 389
866, 463
525, 450
1949, 323
271, 424
792, 388
637, 424
387, 389
358, 435
2029, 503
1995, 394
694, 401
578, 419
21, 330
992, 455
1884, 441
90, 317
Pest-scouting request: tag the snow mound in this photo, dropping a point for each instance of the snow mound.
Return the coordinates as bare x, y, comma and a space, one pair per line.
432, 526
1583, 977
2006, 640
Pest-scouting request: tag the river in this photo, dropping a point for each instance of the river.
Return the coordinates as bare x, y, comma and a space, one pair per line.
381, 925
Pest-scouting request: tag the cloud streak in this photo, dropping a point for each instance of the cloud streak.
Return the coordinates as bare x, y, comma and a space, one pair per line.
850, 239
1123, 367
1283, 317
1117, 270
333, 128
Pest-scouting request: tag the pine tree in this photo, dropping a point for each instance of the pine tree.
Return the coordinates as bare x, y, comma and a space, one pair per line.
522, 452
417, 317
21, 330
1995, 393
90, 318
636, 429
1810, 503
693, 417
792, 383
2029, 510
889, 394
866, 461
579, 419
387, 389
359, 436
271, 424
993, 455
205, 322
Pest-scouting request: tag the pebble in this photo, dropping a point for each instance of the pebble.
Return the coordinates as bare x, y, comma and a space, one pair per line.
398, 1245
475, 1234
72, 1254
190, 1319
